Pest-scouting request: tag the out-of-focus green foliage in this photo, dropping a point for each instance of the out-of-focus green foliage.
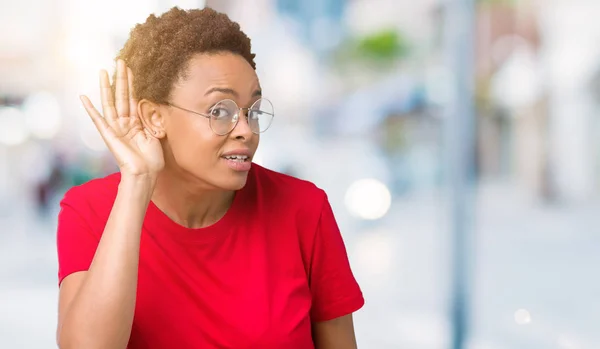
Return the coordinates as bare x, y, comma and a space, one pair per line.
379, 50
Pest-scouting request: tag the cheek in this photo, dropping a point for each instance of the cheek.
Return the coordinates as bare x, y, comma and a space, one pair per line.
193, 144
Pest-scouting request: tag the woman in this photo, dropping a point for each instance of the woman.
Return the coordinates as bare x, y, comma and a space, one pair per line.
192, 245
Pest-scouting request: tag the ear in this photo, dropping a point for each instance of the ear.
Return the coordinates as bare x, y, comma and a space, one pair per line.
149, 113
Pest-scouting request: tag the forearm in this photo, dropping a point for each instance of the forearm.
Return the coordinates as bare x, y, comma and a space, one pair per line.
335, 334
101, 314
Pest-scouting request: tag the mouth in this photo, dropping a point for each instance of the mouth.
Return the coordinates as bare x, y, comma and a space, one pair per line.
240, 163
237, 158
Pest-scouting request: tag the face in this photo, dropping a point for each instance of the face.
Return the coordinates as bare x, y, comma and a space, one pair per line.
191, 147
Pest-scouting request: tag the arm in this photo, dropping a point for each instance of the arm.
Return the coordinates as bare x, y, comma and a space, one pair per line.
96, 307
335, 334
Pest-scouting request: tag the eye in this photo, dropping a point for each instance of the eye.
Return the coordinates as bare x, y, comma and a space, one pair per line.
219, 112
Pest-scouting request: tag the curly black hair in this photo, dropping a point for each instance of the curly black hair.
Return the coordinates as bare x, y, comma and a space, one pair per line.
159, 49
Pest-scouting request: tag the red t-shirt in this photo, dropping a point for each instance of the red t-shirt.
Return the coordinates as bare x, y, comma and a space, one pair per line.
255, 279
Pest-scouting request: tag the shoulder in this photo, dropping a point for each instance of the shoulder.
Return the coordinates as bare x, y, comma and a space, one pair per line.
96, 195
281, 187
292, 200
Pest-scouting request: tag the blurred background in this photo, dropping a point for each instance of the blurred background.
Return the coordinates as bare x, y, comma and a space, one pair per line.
466, 186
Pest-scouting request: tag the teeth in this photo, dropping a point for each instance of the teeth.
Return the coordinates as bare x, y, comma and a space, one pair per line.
236, 157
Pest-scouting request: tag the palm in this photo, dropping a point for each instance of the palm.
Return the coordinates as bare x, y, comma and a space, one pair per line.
136, 150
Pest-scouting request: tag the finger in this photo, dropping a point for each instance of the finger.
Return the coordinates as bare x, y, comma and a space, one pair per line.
121, 91
108, 101
132, 100
96, 117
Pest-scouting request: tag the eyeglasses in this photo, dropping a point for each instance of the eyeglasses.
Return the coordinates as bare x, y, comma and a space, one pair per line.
225, 115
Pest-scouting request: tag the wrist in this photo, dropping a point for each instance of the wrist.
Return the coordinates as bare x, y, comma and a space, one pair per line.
143, 178
138, 183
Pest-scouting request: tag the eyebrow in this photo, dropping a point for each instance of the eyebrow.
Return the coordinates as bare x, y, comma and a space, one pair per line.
256, 93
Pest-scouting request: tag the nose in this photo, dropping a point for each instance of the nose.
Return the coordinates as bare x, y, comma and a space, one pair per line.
242, 130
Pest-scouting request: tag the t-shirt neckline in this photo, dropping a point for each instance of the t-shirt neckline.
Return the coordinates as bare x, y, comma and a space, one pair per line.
156, 217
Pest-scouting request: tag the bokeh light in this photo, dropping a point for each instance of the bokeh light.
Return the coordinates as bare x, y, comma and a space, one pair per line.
522, 317
42, 115
13, 130
368, 199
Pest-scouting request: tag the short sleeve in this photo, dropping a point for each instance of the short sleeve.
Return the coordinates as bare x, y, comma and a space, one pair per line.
334, 289
75, 241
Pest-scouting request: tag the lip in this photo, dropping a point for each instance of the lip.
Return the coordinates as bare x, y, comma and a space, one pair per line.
241, 151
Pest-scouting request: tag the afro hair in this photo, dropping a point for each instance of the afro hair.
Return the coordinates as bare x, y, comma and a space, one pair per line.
159, 49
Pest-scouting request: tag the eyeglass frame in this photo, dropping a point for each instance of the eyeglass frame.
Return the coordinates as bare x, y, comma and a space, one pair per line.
236, 115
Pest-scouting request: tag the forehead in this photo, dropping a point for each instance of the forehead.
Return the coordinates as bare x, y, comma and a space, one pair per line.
225, 70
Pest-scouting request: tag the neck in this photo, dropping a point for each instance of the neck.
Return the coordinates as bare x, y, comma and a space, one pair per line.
190, 203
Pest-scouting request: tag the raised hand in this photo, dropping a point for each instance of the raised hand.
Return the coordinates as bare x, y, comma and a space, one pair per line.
137, 151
